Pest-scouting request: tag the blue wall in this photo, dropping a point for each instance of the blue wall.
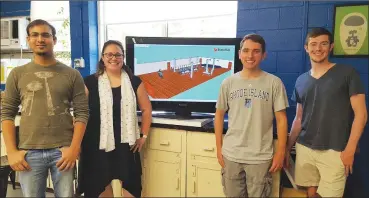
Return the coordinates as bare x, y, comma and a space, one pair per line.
83, 28
15, 8
284, 25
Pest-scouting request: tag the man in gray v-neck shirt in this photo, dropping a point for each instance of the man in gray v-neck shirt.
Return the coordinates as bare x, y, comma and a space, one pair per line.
252, 98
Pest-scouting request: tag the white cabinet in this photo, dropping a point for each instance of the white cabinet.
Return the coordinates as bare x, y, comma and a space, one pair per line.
163, 174
179, 163
203, 169
164, 163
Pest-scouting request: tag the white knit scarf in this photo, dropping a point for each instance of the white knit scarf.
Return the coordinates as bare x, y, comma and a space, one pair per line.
129, 127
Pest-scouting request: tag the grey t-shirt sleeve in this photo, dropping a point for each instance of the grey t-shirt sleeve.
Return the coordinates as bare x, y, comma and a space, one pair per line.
80, 101
280, 100
354, 84
222, 102
11, 100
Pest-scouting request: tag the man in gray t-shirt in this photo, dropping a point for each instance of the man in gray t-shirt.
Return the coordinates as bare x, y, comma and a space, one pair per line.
252, 98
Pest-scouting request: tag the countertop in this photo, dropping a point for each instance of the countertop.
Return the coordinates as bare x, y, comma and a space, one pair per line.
208, 128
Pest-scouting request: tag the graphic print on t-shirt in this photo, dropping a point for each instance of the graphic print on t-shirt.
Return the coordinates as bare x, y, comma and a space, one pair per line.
45, 76
27, 103
248, 103
249, 93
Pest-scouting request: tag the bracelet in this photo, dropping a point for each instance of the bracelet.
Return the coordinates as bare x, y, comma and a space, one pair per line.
144, 136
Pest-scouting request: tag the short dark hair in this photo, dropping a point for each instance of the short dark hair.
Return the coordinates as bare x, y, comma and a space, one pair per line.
256, 38
318, 31
41, 22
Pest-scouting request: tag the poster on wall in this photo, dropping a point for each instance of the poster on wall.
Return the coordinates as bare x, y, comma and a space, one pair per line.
351, 30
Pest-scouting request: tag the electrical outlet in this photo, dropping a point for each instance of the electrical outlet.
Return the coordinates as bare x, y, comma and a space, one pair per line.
79, 63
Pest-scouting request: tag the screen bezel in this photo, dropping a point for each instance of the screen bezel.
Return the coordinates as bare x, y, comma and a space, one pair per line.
175, 106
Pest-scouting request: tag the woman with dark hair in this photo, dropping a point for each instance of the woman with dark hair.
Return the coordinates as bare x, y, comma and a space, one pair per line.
112, 142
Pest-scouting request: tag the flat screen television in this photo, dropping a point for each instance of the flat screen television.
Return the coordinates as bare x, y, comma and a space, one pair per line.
182, 76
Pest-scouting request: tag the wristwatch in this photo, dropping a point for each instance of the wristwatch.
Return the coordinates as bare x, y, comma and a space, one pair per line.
144, 136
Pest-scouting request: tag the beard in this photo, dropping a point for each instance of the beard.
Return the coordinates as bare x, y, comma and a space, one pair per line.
41, 53
44, 53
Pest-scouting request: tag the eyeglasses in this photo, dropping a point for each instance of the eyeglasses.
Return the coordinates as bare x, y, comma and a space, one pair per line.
44, 35
110, 55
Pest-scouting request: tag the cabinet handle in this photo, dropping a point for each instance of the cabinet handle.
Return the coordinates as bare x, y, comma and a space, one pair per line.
177, 183
194, 187
209, 149
164, 143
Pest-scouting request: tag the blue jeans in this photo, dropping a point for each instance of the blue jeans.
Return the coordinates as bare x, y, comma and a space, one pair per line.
33, 182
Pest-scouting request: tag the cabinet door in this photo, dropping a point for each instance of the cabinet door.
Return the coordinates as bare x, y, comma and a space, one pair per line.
145, 170
166, 140
204, 177
203, 170
162, 174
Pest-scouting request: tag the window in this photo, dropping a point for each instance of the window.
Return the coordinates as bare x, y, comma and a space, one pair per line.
57, 14
118, 19
120, 31
214, 26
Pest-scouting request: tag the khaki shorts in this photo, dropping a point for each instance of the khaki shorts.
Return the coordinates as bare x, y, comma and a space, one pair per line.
246, 180
323, 169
